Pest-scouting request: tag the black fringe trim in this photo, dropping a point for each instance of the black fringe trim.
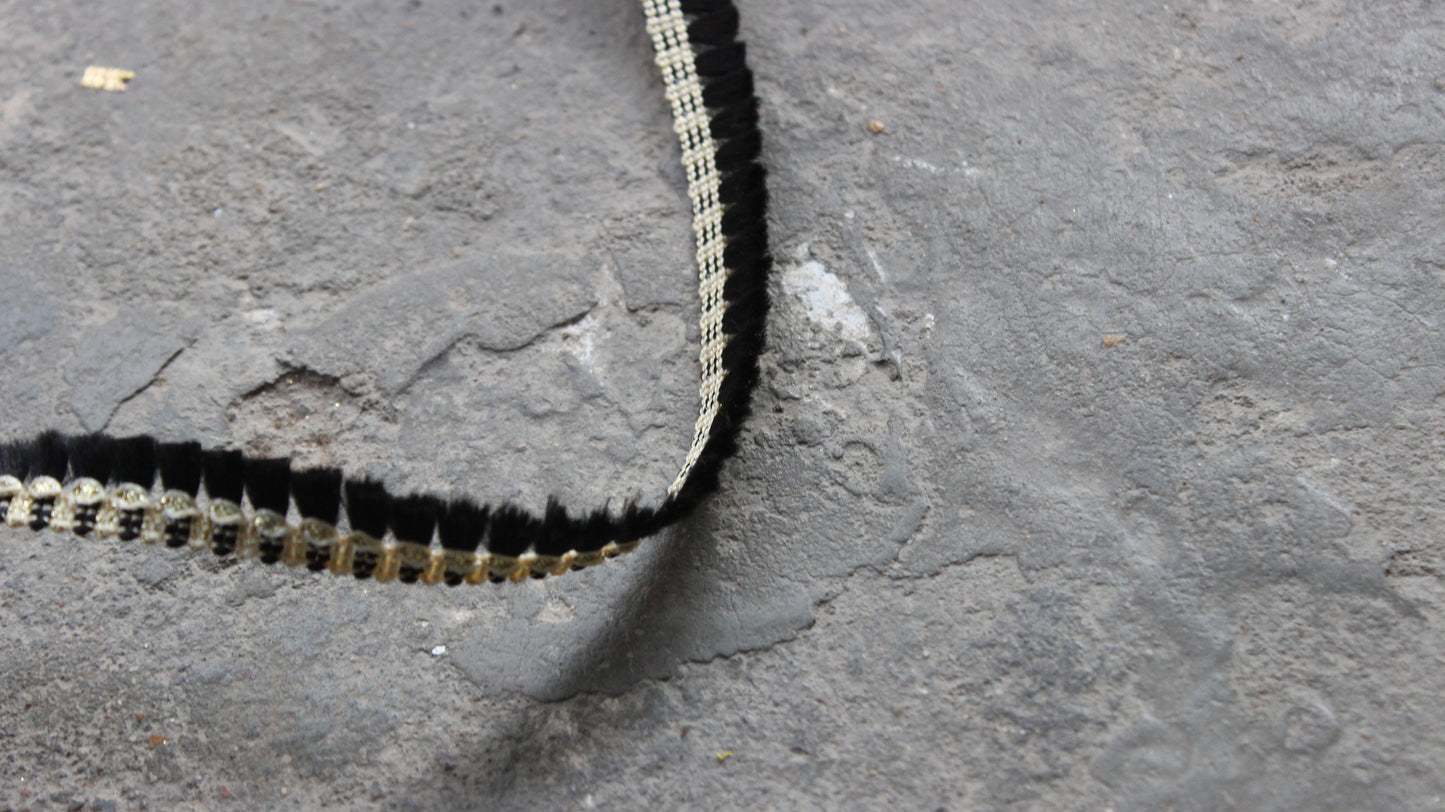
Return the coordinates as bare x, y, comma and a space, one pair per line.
460, 524
728, 93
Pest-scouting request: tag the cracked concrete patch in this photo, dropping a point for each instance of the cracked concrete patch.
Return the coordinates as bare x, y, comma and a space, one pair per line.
117, 361
376, 333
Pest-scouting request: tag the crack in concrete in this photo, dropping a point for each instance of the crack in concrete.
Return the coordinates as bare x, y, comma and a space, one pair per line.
291, 373
155, 377
431, 362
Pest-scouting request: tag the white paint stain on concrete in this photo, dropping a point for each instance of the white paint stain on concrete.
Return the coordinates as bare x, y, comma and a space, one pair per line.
877, 266
933, 169
825, 300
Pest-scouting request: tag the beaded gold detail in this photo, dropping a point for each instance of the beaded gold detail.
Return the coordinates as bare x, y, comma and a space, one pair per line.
176, 520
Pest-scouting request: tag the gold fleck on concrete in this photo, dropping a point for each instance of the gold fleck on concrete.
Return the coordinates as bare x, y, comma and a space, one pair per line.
106, 78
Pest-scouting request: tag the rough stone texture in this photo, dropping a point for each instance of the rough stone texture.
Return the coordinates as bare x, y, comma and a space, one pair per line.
1097, 463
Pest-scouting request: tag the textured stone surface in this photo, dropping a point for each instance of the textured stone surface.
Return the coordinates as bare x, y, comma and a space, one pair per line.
1097, 461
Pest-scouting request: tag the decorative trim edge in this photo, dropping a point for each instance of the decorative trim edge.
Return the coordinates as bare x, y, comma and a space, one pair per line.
183, 496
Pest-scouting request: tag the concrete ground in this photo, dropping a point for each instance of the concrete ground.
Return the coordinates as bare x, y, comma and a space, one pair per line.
1097, 462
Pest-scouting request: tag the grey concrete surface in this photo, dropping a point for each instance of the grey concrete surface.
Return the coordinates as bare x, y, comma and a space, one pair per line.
1097, 463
